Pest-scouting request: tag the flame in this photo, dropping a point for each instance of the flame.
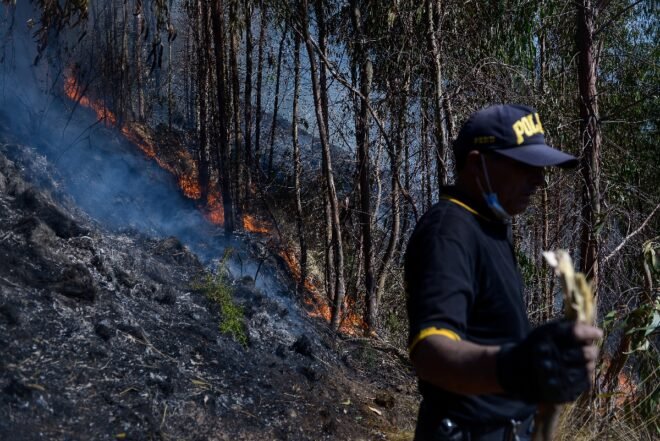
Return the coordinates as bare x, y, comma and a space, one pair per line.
74, 91
254, 225
351, 323
215, 212
190, 186
188, 183
626, 388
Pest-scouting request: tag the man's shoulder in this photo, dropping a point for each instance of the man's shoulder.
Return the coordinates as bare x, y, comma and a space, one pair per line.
446, 217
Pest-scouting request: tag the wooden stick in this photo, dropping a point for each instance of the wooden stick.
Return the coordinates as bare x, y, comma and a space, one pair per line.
579, 306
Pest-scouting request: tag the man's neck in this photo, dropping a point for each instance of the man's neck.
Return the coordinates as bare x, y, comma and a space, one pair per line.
469, 193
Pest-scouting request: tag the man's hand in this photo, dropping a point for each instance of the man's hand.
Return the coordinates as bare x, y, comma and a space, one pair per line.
554, 364
588, 335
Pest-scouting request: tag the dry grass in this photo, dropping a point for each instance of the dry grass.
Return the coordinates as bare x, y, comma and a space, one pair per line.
583, 424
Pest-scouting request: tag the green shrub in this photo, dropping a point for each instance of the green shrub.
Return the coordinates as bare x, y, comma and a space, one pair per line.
217, 288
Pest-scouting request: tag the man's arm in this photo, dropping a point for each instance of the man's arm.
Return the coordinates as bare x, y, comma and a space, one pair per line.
469, 369
461, 367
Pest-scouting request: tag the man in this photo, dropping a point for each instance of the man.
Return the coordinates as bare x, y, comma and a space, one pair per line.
481, 369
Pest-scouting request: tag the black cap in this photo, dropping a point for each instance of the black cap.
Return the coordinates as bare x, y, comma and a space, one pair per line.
511, 130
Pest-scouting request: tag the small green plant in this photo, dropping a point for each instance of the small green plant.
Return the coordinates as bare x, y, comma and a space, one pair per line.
217, 288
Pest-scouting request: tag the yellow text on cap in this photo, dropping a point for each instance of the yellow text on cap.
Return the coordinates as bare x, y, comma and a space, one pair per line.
528, 125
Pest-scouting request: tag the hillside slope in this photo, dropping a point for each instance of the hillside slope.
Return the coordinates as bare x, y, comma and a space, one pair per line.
103, 336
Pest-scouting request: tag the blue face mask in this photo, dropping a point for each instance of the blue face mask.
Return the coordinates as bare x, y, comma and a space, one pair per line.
495, 206
491, 197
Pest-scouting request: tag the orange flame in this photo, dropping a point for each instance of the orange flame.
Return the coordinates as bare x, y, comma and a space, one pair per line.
74, 91
215, 211
188, 184
626, 388
254, 225
351, 323
190, 187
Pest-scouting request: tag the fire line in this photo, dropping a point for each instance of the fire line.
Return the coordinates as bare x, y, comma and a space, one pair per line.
351, 323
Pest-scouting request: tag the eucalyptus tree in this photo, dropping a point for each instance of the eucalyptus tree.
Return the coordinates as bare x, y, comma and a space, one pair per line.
223, 112
321, 110
363, 63
590, 138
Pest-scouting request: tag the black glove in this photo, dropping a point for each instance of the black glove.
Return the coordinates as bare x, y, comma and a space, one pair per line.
548, 366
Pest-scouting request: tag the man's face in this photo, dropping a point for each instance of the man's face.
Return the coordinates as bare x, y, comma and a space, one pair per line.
512, 181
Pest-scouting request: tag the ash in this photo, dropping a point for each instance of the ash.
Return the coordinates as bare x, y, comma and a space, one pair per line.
102, 336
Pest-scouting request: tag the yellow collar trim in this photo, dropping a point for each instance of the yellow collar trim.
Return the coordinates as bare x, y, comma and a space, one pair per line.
464, 205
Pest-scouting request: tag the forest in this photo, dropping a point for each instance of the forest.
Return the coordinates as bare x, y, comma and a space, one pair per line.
327, 127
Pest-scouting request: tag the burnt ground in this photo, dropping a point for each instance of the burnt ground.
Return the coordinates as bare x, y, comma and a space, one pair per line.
104, 336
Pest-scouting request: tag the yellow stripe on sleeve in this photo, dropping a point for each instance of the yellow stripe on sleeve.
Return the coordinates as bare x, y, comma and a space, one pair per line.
432, 331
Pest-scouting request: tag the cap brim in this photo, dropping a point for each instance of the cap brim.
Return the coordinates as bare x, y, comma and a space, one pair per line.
539, 155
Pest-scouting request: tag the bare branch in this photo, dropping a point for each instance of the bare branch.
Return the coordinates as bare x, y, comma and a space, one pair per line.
631, 235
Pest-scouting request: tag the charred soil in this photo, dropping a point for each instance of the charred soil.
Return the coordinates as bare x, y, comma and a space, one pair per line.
103, 335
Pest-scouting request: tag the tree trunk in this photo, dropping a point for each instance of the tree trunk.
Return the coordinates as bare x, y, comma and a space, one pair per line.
248, 98
217, 19
440, 132
399, 114
125, 88
362, 140
276, 104
203, 39
170, 98
547, 303
427, 180
190, 105
260, 77
329, 273
139, 17
330, 255
590, 140
297, 166
237, 157
327, 172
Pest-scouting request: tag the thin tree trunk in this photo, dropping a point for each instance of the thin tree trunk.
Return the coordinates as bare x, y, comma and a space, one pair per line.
548, 304
329, 272
362, 140
217, 19
297, 166
110, 44
590, 140
449, 125
202, 98
190, 104
331, 257
248, 97
139, 17
237, 160
323, 72
427, 181
377, 176
276, 104
125, 96
169, 83
440, 132
399, 112
546, 294
332, 193
260, 76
